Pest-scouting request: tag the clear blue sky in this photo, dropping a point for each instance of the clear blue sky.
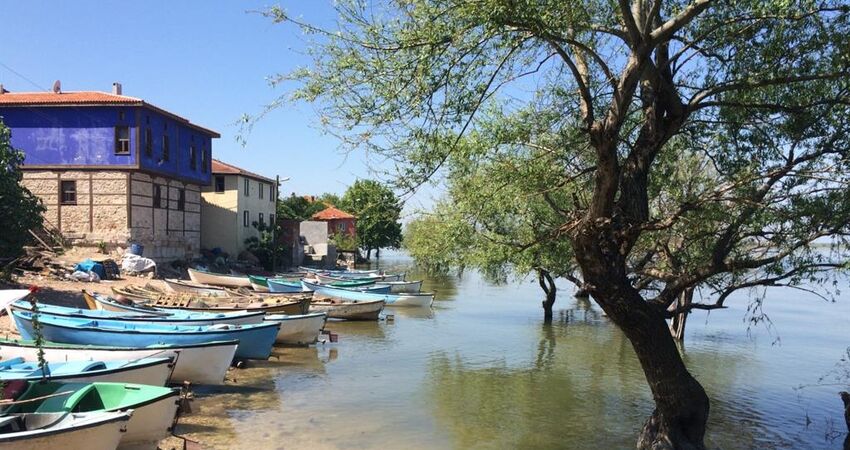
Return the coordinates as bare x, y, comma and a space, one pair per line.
204, 60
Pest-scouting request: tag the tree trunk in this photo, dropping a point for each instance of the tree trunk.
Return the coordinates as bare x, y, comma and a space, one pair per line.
681, 404
368, 254
548, 286
677, 325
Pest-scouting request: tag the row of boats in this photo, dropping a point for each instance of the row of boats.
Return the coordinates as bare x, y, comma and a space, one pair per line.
107, 365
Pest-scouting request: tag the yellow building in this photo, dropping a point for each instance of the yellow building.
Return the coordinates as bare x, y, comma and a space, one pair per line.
231, 204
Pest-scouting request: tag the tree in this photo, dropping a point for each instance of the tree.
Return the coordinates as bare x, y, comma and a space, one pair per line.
378, 212
620, 95
298, 207
20, 210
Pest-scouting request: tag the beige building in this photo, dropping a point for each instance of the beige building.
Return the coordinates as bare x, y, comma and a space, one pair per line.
231, 205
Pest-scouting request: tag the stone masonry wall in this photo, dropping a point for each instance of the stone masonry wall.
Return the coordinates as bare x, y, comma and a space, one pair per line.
167, 232
100, 211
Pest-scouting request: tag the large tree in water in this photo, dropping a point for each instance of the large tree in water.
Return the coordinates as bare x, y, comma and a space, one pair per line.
749, 99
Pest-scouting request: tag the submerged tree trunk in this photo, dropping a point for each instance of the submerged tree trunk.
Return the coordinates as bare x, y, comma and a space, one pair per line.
368, 254
548, 286
677, 325
681, 404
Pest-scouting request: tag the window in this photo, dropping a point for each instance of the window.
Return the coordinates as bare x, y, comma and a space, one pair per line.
148, 141
165, 148
246, 218
340, 226
69, 192
271, 219
260, 219
204, 158
192, 163
157, 196
271, 193
219, 183
247, 187
260, 190
181, 199
122, 140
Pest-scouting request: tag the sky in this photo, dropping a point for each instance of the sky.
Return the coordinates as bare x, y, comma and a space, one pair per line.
206, 61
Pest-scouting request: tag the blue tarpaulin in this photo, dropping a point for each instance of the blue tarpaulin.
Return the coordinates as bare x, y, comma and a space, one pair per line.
91, 266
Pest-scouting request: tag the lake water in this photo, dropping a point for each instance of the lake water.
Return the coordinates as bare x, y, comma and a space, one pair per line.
481, 370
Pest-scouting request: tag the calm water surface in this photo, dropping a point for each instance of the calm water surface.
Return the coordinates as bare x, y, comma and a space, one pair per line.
481, 370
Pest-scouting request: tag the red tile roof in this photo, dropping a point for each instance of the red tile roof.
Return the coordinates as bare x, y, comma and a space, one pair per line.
331, 213
87, 98
222, 168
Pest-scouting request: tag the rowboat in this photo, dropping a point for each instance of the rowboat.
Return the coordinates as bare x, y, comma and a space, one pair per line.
51, 431
174, 318
153, 371
255, 341
269, 304
352, 271
218, 279
285, 287
344, 282
302, 329
202, 363
188, 287
373, 288
153, 407
357, 296
401, 287
348, 310
363, 277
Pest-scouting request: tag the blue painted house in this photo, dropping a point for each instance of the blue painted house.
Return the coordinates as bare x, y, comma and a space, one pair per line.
113, 168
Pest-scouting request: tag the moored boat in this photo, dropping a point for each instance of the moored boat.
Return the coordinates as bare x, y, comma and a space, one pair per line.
255, 340
309, 284
349, 310
218, 279
270, 304
201, 363
153, 371
172, 318
283, 286
153, 407
358, 296
63, 430
300, 329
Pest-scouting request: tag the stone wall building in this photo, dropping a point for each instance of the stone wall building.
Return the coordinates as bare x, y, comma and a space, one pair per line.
113, 168
232, 203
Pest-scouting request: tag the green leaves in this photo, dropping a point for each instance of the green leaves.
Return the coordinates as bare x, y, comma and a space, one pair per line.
378, 212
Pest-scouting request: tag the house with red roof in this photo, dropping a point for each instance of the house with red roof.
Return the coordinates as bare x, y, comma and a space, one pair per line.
234, 205
339, 222
112, 168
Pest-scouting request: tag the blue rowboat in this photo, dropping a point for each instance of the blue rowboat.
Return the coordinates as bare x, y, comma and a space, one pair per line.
255, 340
172, 318
153, 371
277, 286
363, 296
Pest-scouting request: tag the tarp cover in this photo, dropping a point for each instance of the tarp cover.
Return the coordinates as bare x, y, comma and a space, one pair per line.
91, 266
135, 263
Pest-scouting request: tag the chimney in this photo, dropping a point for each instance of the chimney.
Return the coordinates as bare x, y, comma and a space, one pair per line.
116, 88
2, 89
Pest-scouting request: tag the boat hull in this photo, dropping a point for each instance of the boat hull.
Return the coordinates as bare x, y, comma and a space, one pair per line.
216, 279
154, 372
150, 423
402, 287
204, 363
284, 287
298, 330
90, 431
188, 287
350, 311
255, 341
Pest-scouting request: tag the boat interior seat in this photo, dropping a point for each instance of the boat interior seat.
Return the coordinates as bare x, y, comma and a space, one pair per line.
72, 367
7, 364
36, 421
